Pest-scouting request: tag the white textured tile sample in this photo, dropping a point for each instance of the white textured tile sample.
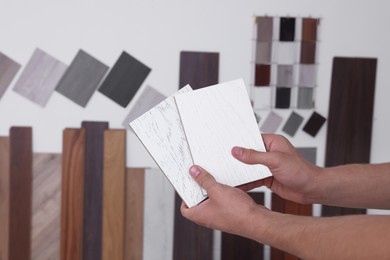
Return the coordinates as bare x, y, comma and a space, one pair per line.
149, 98
215, 119
40, 77
159, 216
162, 134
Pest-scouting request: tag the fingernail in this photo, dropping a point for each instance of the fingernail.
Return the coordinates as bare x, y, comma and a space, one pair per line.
238, 151
195, 171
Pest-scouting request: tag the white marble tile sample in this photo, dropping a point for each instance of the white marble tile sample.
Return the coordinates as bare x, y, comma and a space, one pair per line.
161, 133
215, 119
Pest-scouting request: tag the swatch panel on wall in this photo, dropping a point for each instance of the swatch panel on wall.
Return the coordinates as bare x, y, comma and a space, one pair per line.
8, 70
82, 78
124, 79
40, 77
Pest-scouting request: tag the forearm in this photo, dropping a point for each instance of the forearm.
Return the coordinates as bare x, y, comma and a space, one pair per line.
349, 237
355, 185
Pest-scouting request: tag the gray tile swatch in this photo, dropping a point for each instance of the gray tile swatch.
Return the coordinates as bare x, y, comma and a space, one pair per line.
309, 153
149, 98
8, 70
40, 77
305, 98
82, 78
285, 75
263, 52
271, 123
292, 124
307, 75
264, 29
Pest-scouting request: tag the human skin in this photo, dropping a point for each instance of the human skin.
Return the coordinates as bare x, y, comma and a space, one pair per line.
349, 237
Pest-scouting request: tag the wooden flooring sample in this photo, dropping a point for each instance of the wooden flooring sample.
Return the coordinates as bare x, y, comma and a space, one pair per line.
4, 196
46, 207
114, 174
161, 132
124, 79
237, 247
93, 189
135, 190
198, 69
20, 193
40, 77
159, 216
72, 197
191, 241
82, 78
215, 119
8, 70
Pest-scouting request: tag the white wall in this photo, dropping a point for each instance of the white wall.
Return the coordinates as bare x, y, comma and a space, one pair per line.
156, 31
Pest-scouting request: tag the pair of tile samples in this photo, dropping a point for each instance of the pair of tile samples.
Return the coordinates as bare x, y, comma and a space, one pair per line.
314, 124
198, 69
40, 77
292, 124
229, 122
8, 70
149, 98
124, 79
82, 78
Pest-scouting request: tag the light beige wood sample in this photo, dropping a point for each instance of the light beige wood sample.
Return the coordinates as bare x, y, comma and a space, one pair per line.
135, 189
114, 170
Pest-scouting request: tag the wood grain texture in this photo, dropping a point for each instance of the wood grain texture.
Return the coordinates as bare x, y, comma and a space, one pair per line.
191, 241
162, 134
8, 70
350, 117
93, 189
236, 247
72, 197
114, 184
46, 207
215, 119
281, 205
82, 78
40, 77
20, 193
159, 216
135, 190
198, 69
4, 195
124, 79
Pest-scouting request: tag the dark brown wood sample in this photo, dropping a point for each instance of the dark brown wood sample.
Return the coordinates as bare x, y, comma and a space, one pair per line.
4, 196
314, 124
262, 75
350, 116
199, 69
135, 190
20, 193
46, 206
72, 197
124, 79
308, 53
237, 247
93, 190
309, 29
281, 205
114, 175
191, 242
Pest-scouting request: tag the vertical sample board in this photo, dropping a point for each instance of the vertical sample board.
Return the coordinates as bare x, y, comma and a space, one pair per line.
124, 79
8, 70
4, 196
40, 77
281, 205
82, 78
20, 193
237, 247
135, 190
46, 206
93, 189
72, 197
350, 117
191, 241
198, 69
114, 184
